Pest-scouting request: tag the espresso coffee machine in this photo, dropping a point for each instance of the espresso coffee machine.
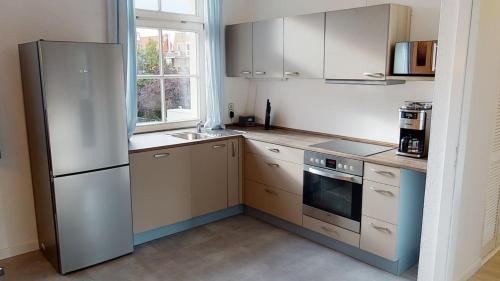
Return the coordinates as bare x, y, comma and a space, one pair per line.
415, 127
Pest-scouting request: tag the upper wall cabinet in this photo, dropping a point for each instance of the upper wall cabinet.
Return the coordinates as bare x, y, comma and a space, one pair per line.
304, 38
268, 48
239, 50
359, 42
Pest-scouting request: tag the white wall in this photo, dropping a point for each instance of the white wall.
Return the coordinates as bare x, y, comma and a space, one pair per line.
24, 21
351, 110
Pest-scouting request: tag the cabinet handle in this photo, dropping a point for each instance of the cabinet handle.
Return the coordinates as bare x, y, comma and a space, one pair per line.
161, 155
326, 229
273, 165
260, 73
275, 150
381, 229
292, 73
232, 149
246, 72
383, 173
218, 146
383, 192
374, 74
434, 56
268, 191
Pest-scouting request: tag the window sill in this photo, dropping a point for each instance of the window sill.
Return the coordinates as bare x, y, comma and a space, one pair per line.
146, 128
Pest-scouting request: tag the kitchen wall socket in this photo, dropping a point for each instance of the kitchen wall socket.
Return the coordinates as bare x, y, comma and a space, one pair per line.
230, 106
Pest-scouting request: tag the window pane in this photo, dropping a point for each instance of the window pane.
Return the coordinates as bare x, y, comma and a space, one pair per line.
180, 98
179, 52
148, 100
147, 4
179, 6
148, 51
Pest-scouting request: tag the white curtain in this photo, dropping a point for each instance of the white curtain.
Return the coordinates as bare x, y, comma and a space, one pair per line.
121, 29
215, 95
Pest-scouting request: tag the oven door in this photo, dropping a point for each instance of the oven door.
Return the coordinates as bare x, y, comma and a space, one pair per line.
333, 197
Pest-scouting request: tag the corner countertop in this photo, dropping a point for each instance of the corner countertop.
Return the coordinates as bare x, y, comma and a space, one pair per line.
280, 136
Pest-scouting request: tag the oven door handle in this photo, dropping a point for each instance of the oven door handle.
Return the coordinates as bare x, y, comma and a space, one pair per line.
335, 175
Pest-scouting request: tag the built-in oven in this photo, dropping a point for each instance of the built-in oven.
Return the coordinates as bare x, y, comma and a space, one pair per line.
333, 189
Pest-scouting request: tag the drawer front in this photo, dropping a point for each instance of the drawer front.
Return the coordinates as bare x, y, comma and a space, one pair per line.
276, 202
379, 238
331, 231
275, 151
255, 196
382, 174
275, 173
381, 201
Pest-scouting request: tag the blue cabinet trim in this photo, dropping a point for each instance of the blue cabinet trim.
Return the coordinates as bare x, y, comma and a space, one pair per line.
153, 234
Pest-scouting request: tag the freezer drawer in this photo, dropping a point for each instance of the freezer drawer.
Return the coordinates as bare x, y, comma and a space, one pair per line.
94, 217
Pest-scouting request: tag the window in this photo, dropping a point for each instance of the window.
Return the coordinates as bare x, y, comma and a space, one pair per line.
169, 41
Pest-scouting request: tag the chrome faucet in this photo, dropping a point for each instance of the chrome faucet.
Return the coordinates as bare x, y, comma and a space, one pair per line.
199, 125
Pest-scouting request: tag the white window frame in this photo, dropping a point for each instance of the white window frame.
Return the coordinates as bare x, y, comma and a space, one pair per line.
177, 22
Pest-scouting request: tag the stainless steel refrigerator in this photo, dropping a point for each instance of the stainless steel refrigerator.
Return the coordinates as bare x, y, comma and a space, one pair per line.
75, 111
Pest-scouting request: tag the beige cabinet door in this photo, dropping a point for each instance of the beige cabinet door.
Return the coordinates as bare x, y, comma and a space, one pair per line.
233, 173
161, 188
356, 43
239, 50
268, 48
209, 177
304, 47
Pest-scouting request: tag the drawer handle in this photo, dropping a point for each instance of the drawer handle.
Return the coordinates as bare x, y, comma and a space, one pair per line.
329, 230
260, 73
292, 73
381, 229
246, 72
383, 192
218, 146
275, 150
374, 74
274, 165
161, 155
268, 191
384, 173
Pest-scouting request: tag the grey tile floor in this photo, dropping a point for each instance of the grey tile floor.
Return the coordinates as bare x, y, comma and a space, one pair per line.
237, 248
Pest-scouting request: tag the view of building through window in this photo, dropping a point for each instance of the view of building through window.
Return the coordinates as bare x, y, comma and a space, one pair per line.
167, 72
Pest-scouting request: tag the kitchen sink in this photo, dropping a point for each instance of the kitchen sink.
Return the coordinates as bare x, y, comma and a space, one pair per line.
191, 136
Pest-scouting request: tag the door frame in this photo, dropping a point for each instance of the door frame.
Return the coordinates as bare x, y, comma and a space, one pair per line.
443, 192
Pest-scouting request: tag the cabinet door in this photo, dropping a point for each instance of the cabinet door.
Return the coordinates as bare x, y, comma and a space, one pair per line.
209, 177
239, 50
233, 170
356, 43
268, 48
161, 187
304, 46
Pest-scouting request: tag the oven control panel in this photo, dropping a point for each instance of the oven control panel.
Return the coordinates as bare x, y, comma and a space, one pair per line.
332, 162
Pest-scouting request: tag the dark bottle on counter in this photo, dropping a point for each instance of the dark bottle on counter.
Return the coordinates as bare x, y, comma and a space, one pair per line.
267, 124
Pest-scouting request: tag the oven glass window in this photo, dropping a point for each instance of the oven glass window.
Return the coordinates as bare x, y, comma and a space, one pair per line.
335, 196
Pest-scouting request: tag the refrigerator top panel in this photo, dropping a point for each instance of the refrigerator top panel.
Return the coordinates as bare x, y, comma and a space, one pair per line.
84, 93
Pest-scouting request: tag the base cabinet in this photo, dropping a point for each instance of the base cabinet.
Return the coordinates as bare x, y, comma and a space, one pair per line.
177, 184
161, 187
209, 182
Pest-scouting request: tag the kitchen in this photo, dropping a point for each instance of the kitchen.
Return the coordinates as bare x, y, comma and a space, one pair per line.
206, 177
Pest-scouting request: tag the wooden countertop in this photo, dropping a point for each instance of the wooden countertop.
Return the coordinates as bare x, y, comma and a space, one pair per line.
285, 137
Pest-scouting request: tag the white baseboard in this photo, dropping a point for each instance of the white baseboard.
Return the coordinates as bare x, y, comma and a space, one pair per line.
18, 249
470, 271
490, 255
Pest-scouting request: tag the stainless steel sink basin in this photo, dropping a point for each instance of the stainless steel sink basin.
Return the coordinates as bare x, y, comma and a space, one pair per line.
190, 136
